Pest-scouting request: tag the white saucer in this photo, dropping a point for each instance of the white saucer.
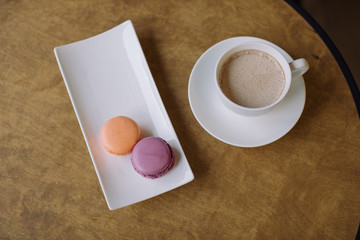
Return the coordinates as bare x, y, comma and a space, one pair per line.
233, 128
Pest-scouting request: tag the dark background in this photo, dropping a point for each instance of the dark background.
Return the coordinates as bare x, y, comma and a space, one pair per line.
340, 19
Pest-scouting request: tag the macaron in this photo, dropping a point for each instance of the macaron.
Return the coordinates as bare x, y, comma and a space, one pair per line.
119, 135
152, 157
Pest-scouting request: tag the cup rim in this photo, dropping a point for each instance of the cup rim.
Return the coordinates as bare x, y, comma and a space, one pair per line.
229, 52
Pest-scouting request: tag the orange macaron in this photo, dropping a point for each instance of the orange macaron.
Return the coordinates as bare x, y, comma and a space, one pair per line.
119, 135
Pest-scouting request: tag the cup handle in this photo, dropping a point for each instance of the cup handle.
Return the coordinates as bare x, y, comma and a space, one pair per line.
298, 67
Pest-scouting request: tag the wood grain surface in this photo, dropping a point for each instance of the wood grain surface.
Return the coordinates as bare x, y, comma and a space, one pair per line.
306, 185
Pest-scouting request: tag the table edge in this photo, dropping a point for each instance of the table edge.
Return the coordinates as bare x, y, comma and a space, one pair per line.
334, 51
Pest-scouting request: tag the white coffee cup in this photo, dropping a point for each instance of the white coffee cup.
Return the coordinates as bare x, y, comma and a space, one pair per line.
292, 71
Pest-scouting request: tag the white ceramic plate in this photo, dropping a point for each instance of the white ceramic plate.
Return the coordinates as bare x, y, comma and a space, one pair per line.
233, 128
107, 75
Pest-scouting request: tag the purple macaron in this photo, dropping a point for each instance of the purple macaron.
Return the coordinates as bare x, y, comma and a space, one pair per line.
152, 157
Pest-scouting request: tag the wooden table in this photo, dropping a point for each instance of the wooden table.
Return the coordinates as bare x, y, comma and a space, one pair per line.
304, 186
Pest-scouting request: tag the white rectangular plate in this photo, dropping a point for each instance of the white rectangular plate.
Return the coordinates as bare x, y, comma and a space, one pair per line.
106, 76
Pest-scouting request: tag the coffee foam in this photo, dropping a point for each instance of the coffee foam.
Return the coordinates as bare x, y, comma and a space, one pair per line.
252, 78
